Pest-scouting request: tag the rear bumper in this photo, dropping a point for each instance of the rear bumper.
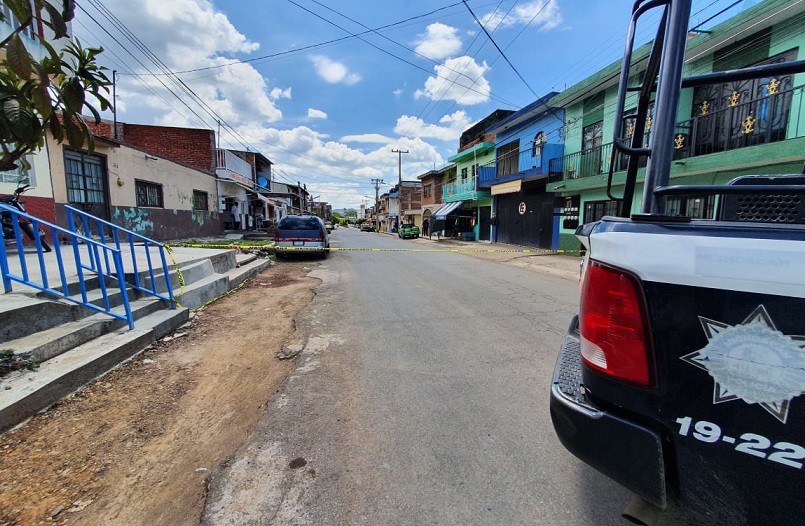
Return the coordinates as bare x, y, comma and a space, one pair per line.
289, 248
626, 452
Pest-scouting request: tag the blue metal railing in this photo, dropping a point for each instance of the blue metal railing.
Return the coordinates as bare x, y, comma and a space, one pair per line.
82, 223
95, 254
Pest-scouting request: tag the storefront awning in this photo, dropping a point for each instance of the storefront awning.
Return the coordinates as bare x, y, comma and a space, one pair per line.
446, 209
512, 187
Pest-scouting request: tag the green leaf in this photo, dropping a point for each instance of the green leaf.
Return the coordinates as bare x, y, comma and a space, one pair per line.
74, 135
73, 95
18, 58
11, 110
21, 10
24, 125
56, 128
54, 55
41, 100
69, 9
57, 23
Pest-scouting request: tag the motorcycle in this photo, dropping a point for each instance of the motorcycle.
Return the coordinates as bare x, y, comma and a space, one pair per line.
25, 224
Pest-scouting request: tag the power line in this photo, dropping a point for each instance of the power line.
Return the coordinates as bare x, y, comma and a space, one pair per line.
389, 53
502, 54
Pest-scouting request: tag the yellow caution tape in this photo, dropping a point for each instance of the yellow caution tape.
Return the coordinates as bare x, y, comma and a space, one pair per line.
271, 248
179, 275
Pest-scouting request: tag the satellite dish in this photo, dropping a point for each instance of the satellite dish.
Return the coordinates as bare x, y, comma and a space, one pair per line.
262, 181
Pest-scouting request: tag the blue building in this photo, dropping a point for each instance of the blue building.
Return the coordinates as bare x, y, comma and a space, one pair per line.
522, 210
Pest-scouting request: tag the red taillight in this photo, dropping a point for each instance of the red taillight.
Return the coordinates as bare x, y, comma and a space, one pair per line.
613, 325
321, 236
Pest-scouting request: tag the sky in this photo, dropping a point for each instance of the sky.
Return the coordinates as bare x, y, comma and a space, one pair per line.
327, 89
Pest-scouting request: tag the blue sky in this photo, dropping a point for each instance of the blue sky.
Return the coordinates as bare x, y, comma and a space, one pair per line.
327, 88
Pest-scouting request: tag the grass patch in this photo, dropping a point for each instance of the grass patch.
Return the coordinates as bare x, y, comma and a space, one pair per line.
14, 362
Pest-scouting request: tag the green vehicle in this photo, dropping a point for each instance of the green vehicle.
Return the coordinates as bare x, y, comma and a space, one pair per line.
408, 230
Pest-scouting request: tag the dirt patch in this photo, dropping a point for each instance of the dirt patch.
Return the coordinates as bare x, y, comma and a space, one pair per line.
138, 445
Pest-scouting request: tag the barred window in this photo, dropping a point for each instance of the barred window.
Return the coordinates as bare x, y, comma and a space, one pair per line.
149, 194
200, 200
595, 210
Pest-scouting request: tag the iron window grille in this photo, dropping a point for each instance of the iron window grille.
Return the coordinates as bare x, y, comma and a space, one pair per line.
149, 194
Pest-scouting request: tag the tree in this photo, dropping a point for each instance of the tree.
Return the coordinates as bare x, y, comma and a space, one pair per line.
49, 94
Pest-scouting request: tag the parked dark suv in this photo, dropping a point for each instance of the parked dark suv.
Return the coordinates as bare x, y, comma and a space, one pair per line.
301, 235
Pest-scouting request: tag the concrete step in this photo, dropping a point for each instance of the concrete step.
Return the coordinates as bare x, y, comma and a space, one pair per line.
25, 393
24, 314
247, 268
49, 343
74, 344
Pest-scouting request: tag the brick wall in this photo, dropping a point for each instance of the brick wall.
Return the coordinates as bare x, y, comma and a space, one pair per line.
191, 147
411, 198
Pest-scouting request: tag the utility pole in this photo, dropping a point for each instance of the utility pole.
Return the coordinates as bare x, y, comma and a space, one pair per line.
399, 185
377, 183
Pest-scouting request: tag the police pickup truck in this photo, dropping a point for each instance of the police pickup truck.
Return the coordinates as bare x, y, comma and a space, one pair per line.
682, 376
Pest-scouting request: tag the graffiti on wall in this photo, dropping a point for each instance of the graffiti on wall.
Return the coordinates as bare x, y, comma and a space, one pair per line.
134, 219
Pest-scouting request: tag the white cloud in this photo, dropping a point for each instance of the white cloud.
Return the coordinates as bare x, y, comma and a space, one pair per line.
397, 92
189, 35
459, 79
333, 72
278, 93
440, 41
316, 114
322, 164
368, 138
449, 129
542, 14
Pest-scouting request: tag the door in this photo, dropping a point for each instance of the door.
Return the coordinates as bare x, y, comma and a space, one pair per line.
485, 223
87, 187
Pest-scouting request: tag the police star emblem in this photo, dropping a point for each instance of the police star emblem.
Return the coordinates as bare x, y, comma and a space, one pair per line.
753, 362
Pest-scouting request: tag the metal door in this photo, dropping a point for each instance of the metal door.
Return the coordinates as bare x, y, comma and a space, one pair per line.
87, 187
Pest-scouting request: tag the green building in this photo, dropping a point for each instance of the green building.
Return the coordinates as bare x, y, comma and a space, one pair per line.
723, 131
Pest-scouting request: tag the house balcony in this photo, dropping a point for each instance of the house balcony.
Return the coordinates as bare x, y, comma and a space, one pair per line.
525, 165
463, 190
229, 166
761, 121
774, 118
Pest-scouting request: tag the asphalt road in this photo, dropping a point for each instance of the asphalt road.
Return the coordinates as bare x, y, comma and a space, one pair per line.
420, 397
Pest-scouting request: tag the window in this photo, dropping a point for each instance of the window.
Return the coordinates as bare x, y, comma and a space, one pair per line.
720, 112
539, 142
694, 207
463, 174
591, 156
426, 190
149, 194
86, 178
11, 20
595, 210
474, 170
200, 200
593, 136
16, 175
507, 159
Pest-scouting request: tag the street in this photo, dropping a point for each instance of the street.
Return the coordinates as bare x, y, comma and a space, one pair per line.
420, 397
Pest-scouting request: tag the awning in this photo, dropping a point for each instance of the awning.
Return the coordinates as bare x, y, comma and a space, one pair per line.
446, 209
512, 187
